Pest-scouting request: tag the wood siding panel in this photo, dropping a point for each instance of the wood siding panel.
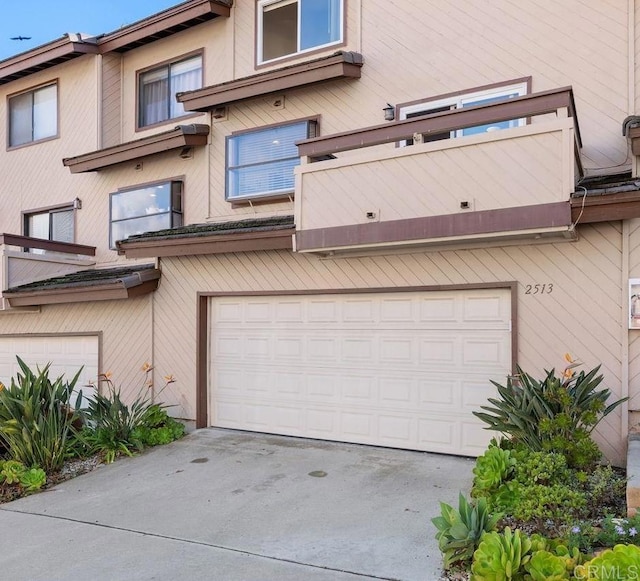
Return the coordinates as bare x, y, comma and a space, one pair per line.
572, 318
111, 100
421, 180
122, 353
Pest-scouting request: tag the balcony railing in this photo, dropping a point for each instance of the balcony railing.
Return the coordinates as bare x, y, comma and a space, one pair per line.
360, 189
25, 260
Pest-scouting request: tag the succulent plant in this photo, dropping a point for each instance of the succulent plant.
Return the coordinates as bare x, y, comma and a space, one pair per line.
621, 562
491, 469
11, 471
545, 566
33, 479
501, 556
459, 531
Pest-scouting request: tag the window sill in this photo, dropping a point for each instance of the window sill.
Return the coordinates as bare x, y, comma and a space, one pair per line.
30, 143
261, 201
172, 121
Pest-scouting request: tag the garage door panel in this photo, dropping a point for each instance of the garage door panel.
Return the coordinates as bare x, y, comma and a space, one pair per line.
393, 369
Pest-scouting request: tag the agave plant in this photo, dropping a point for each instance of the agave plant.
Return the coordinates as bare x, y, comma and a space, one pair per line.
459, 531
36, 417
555, 414
501, 556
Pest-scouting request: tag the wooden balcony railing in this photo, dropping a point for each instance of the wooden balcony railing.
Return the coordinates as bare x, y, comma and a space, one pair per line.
558, 101
27, 242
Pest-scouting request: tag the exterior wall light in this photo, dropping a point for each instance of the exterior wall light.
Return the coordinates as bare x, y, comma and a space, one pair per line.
389, 112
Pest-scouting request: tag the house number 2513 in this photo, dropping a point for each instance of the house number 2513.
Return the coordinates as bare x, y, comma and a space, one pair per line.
538, 289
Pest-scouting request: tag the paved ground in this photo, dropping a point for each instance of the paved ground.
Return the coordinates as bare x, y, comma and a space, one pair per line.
235, 506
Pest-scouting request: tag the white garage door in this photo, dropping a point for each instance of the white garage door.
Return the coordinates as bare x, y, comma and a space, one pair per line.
400, 369
65, 353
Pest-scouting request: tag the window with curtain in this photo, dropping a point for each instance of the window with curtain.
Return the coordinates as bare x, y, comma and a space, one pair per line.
261, 162
158, 88
287, 27
145, 209
33, 115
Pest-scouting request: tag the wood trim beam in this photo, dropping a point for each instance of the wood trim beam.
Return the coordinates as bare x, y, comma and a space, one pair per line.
450, 225
340, 66
202, 358
210, 244
193, 135
519, 107
50, 245
605, 208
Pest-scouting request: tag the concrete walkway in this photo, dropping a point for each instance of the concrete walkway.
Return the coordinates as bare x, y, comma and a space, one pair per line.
226, 505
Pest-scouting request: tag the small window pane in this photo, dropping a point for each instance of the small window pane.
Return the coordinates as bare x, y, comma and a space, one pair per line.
279, 30
62, 226
38, 225
126, 228
493, 126
267, 145
272, 178
45, 112
142, 202
20, 119
154, 97
319, 23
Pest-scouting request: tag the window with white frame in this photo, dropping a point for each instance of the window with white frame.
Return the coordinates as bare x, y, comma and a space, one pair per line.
260, 162
56, 224
479, 97
157, 89
146, 208
33, 115
287, 27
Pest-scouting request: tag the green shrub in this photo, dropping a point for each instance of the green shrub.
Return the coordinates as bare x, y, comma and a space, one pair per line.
36, 417
501, 556
459, 531
158, 428
556, 414
33, 479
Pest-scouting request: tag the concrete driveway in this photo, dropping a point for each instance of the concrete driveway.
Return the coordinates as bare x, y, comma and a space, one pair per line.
226, 505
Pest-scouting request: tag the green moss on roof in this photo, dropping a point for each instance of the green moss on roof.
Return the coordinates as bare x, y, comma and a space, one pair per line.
84, 278
208, 229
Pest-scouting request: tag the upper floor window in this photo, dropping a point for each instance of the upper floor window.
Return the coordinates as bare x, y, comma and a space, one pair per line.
260, 162
145, 209
33, 115
287, 27
157, 89
486, 96
53, 224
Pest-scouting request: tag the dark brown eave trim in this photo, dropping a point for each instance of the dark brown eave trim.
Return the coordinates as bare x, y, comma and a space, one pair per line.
49, 245
134, 285
44, 57
202, 327
182, 136
339, 66
519, 107
162, 24
209, 244
605, 207
415, 229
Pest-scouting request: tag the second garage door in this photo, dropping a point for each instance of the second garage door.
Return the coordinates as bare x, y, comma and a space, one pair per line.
398, 369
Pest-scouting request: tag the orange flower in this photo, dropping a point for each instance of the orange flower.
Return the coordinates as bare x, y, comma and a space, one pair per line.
568, 358
107, 375
568, 373
169, 378
146, 367
2, 386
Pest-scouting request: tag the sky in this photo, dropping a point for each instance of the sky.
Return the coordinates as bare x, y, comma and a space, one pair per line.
47, 20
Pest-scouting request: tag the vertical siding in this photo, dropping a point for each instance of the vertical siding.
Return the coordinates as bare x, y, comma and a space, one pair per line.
572, 318
111, 99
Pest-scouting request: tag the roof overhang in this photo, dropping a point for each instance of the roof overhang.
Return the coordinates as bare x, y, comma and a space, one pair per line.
208, 244
248, 235
607, 207
338, 66
46, 56
179, 137
163, 24
134, 284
